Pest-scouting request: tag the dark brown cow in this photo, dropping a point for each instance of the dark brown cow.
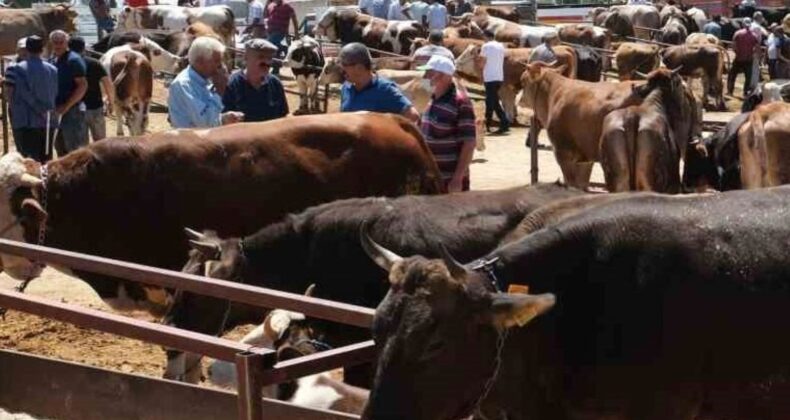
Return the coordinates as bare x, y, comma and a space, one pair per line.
641, 145
643, 325
129, 198
758, 158
572, 111
347, 25
19, 23
635, 56
703, 61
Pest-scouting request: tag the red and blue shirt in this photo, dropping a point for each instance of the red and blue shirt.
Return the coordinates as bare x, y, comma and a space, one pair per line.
447, 124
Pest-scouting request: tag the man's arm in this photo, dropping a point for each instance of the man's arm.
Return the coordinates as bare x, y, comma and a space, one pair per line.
109, 92
467, 133
183, 107
81, 86
464, 159
412, 114
295, 22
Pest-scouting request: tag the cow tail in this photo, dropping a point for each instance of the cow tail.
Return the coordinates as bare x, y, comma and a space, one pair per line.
631, 136
758, 140
430, 182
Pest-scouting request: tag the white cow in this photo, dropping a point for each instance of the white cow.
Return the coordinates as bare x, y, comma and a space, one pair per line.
348, 25
176, 18
306, 64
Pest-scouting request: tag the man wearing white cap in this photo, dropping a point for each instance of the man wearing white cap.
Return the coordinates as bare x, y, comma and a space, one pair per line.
449, 124
21, 50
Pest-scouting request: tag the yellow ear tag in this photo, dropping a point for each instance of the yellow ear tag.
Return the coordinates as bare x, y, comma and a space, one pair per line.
518, 288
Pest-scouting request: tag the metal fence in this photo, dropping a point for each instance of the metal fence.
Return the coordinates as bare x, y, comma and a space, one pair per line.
256, 367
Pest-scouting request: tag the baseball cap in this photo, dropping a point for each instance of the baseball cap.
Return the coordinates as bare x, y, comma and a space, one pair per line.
260, 44
439, 63
22, 43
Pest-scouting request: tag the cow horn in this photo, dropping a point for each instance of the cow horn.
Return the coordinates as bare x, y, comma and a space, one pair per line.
30, 181
456, 268
380, 255
310, 290
640, 74
207, 249
193, 234
677, 69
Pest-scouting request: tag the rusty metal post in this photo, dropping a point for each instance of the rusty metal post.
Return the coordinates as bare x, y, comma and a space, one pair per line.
249, 371
4, 111
532, 141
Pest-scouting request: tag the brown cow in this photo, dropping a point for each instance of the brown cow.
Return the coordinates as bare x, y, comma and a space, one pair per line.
258, 172
19, 23
703, 61
501, 11
456, 45
347, 25
628, 20
171, 18
764, 145
585, 34
572, 111
514, 66
507, 32
636, 56
641, 145
133, 78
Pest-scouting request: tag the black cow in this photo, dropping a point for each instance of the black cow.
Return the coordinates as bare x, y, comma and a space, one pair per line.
716, 162
771, 14
589, 64
320, 246
306, 62
664, 308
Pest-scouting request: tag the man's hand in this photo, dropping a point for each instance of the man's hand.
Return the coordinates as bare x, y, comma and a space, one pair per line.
232, 117
456, 185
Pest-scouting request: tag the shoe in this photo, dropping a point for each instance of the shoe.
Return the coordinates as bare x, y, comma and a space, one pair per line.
501, 131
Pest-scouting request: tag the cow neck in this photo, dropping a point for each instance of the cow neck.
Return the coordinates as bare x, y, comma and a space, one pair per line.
488, 267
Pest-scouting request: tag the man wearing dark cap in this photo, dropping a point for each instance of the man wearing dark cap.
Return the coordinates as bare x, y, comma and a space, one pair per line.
31, 86
252, 90
364, 91
434, 47
97, 79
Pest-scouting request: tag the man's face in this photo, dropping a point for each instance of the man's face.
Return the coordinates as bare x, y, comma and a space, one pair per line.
59, 45
354, 73
209, 68
259, 62
439, 81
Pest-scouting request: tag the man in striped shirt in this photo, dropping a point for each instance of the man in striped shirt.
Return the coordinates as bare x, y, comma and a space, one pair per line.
449, 124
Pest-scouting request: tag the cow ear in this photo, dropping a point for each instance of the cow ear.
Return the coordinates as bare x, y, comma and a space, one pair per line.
511, 309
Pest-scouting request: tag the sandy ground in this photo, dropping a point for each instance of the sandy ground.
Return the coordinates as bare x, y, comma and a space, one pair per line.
504, 163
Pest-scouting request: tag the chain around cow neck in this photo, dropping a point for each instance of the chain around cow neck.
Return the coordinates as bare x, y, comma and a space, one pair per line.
489, 385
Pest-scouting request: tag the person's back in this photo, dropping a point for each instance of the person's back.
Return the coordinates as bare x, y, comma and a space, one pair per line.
743, 43
494, 52
417, 10
436, 16
712, 28
543, 53
380, 8
396, 11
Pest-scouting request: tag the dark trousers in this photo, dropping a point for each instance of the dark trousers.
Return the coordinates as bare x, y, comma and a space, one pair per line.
30, 142
73, 132
738, 67
493, 105
772, 68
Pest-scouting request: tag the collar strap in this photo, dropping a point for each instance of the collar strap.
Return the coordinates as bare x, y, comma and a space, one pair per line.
487, 266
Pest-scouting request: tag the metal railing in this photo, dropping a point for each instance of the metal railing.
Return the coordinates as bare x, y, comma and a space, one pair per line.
256, 367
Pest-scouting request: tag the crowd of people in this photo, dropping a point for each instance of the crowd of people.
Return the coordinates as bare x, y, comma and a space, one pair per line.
56, 102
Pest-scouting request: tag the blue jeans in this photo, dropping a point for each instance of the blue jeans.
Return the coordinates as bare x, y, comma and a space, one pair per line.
73, 132
277, 40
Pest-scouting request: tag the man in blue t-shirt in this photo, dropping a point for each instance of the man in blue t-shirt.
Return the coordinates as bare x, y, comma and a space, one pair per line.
253, 91
364, 91
72, 85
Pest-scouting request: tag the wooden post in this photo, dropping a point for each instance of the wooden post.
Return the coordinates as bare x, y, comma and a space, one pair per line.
4, 105
532, 142
249, 368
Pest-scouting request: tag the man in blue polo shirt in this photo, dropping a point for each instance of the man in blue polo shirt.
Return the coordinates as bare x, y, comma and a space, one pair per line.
72, 85
253, 91
364, 91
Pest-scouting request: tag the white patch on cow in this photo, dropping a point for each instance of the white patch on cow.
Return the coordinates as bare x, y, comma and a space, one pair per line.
13, 174
310, 393
177, 18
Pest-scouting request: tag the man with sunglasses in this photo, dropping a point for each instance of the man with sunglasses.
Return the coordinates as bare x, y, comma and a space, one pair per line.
364, 91
253, 91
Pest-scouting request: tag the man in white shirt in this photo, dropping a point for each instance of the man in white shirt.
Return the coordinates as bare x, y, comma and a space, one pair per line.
396, 10
255, 25
436, 17
492, 60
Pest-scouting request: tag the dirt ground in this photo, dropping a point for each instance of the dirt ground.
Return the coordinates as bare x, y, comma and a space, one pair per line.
504, 163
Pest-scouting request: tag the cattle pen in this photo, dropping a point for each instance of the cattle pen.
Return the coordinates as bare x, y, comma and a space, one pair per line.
52, 388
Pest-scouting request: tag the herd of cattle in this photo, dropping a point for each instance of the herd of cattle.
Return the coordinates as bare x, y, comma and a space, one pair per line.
640, 305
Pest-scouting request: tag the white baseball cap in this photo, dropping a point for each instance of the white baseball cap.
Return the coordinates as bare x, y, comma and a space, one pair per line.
441, 64
21, 44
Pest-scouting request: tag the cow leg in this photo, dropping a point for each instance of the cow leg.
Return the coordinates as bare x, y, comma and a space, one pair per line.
653, 170
615, 158
312, 84
183, 366
751, 155
301, 81
119, 117
508, 96
706, 86
575, 172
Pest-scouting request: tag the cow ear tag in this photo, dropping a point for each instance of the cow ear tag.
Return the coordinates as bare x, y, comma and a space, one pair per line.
518, 288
